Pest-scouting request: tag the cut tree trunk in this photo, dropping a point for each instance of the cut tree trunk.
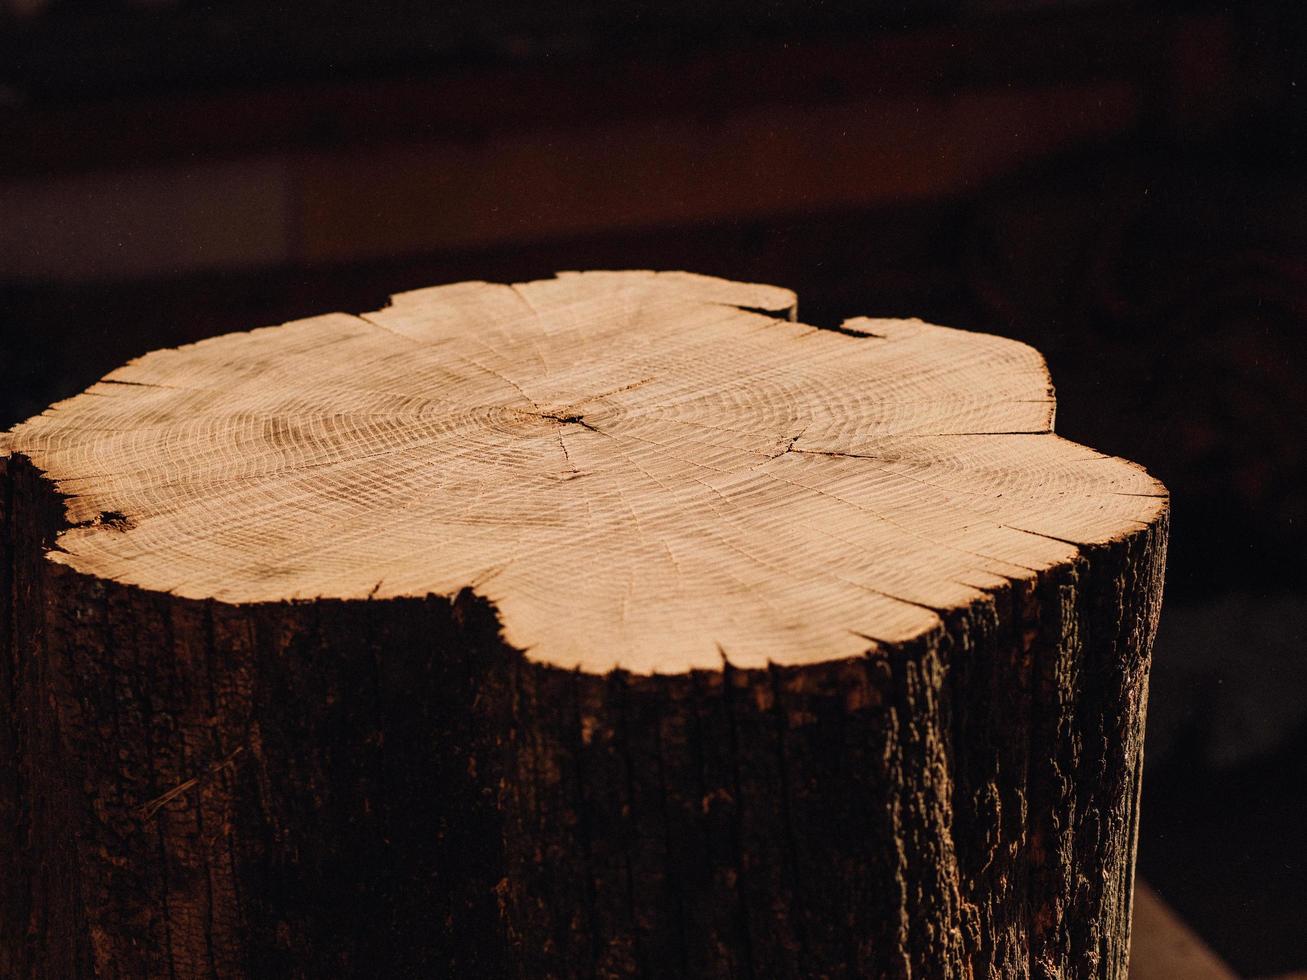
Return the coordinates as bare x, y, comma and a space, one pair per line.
608, 625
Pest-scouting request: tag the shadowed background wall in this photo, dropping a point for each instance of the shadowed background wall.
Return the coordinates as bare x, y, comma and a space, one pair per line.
1120, 185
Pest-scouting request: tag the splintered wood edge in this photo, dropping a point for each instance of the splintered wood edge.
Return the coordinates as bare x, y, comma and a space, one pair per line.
647, 471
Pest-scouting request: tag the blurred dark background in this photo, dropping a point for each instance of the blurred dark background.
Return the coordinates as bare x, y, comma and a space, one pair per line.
1120, 184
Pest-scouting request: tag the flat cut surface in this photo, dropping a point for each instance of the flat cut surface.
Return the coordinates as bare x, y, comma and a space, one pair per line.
644, 470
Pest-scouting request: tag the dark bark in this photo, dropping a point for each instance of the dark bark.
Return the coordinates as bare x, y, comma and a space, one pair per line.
192, 789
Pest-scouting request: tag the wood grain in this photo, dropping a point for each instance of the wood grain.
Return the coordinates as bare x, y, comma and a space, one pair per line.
616, 624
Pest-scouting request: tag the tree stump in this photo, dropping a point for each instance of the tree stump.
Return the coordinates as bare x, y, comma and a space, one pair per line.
609, 625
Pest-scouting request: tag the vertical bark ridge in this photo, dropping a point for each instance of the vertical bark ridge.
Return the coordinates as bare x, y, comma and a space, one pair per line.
769, 701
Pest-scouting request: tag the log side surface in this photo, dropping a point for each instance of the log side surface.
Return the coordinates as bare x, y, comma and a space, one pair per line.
610, 625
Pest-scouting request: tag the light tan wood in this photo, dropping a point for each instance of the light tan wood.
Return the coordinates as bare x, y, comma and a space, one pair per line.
642, 470
1162, 947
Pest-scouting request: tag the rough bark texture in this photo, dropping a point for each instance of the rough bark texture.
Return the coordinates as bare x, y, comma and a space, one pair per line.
655, 634
383, 788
